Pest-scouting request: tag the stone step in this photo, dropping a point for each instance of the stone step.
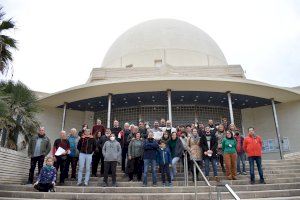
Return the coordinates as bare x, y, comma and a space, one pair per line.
176, 189
148, 196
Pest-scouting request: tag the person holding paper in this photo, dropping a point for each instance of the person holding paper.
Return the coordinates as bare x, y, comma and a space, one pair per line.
61, 149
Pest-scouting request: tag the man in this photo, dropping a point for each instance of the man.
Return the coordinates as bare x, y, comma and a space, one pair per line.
209, 144
201, 129
61, 159
157, 132
39, 147
225, 123
143, 130
162, 122
212, 127
116, 128
103, 139
150, 150
169, 128
98, 128
74, 154
241, 157
253, 148
112, 153
123, 138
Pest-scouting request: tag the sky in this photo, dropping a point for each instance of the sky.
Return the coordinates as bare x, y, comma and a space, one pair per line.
60, 41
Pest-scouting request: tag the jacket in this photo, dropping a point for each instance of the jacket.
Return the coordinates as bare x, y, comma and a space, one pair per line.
124, 138
150, 149
98, 128
229, 146
253, 146
164, 156
239, 144
47, 175
73, 141
213, 145
45, 146
194, 147
86, 145
178, 150
135, 148
220, 136
112, 151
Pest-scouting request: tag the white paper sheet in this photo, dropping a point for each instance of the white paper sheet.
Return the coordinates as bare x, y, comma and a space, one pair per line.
59, 151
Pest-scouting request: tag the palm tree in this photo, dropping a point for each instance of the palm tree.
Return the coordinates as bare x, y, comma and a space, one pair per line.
6, 43
19, 105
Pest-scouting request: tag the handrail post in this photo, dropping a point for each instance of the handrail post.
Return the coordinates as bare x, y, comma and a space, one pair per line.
195, 181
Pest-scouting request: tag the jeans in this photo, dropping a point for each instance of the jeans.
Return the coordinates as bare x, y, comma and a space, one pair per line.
148, 162
214, 165
73, 161
33, 161
110, 165
241, 158
164, 168
84, 159
259, 168
174, 170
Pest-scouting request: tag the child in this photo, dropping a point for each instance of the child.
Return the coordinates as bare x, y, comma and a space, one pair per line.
47, 177
165, 162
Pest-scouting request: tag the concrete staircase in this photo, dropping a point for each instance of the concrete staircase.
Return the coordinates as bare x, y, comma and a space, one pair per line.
282, 177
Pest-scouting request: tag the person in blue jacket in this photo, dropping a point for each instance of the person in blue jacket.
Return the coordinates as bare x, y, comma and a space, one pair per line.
150, 150
164, 161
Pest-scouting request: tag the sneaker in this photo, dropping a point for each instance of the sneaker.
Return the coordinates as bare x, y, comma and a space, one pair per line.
164, 185
86, 184
154, 185
114, 185
52, 190
262, 182
239, 173
217, 179
170, 184
252, 182
144, 185
79, 184
244, 173
234, 178
104, 184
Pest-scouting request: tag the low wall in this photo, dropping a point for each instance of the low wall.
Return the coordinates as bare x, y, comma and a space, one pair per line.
14, 166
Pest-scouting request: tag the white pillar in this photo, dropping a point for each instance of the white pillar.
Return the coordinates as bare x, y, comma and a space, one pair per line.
230, 107
169, 105
64, 116
277, 128
109, 110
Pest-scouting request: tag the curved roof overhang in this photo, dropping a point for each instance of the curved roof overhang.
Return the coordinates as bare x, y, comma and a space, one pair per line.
237, 86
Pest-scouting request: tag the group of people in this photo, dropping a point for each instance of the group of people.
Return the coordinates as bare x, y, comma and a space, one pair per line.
138, 148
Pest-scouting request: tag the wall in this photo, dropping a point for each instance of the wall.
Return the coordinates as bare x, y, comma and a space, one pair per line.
289, 123
51, 119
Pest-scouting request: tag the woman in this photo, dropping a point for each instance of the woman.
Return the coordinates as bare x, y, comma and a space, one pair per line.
84, 127
74, 153
96, 155
220, 134
176, 148
86, 146
229, 149
193, 144
135, 151
165, 137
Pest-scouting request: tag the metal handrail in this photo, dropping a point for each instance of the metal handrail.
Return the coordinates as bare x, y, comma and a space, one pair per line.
197, 167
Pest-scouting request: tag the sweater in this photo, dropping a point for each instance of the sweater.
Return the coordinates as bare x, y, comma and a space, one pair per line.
229, 146
47, 174
135, 148
112, 151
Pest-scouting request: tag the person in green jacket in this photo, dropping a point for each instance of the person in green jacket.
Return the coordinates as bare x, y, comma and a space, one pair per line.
229, 149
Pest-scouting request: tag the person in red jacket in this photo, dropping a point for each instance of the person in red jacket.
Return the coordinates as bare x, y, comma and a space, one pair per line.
253, 148
98, 127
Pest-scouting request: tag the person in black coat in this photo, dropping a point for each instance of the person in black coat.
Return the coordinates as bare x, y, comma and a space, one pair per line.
209, 145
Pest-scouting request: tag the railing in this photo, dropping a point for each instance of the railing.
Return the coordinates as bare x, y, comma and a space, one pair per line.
197, 167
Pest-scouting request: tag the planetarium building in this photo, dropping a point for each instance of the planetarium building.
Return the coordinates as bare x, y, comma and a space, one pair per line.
171, 69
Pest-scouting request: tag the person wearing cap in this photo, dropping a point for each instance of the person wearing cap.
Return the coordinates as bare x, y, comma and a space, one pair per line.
253, 148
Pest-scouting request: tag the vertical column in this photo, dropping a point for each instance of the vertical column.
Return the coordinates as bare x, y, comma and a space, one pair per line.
277, 128
230, 107
108, 110
64, 116
169, 105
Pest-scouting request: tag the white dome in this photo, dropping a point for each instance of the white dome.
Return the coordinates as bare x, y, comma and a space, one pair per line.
164, 41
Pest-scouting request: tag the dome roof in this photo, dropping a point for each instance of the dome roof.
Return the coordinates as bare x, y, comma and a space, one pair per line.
163, 41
